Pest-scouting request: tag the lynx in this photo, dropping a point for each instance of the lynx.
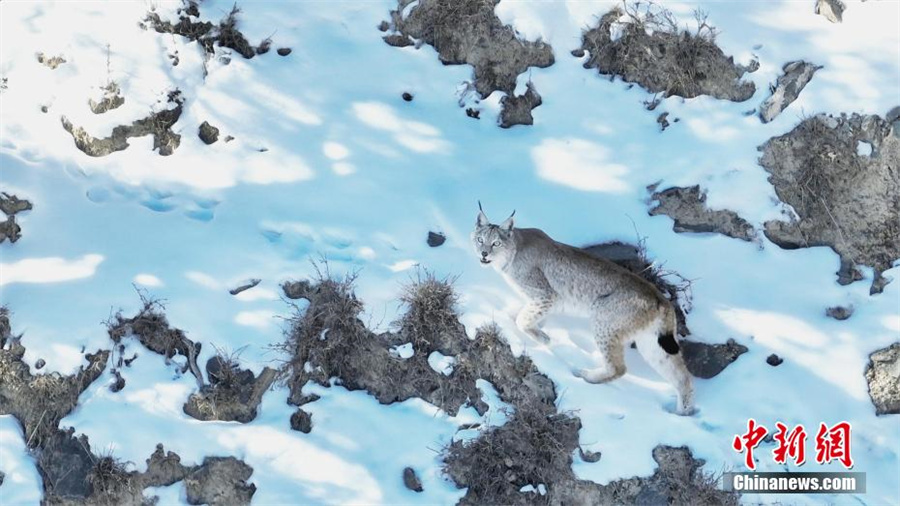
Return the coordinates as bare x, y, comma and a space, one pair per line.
623, 307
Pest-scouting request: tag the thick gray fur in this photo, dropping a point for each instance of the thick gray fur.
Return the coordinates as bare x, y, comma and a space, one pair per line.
623, 307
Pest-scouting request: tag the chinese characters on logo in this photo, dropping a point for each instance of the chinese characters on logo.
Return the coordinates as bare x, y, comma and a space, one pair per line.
832, 443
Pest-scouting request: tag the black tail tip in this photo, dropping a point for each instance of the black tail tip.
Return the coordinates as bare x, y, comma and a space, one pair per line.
668, 343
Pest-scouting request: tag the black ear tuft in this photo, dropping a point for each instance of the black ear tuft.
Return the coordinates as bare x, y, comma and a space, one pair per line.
667, 342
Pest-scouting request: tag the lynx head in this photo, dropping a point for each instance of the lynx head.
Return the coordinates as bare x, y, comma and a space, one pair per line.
494, 244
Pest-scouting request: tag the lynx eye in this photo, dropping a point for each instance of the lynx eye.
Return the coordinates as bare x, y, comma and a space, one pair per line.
496, 243
481, 240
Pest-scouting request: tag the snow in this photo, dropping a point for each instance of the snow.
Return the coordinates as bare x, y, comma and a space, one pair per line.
49, 270
354, 174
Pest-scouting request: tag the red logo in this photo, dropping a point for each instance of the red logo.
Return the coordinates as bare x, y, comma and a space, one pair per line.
749, 441
832, 443
791, 444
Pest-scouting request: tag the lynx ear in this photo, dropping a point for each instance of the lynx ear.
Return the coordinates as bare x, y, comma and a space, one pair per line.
482, 218
508, 224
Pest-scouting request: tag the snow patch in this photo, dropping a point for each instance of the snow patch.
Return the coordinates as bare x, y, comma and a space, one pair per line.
49, 269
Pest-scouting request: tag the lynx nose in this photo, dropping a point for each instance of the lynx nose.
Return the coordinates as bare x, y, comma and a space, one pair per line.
484, 254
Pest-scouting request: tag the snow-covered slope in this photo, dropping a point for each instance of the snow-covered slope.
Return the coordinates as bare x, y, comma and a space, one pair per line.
328, 160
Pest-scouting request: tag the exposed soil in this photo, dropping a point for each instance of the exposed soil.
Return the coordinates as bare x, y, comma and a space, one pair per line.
832, 10
679, 480
534, 447
708, 360
516, 110
839, 174
220, 481
245, 286
51, 62
883, 376
687, 206
9, 229
158, 124
642, 43
796, 75
233, 394
330, 341
151, 327
39, 401
74, 475
206, 34
469, 32
11, 205
112, 99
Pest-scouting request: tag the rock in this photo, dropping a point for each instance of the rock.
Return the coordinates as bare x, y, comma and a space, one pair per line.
407, 96
411, 480
2, 477
883, 376
11, 205
246, 286
516, 110
283, 51
40, 364
832, 10
119, 384
301, 421
473, 113
708, 360
384, 26
774, 360
9, 229
796, 75
687, 206
662, 121
436, 239
208, 133
589, 456
839, 312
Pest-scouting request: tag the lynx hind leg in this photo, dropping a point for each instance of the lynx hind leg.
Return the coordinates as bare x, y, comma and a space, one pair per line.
610, 341
658, 352
531, 316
